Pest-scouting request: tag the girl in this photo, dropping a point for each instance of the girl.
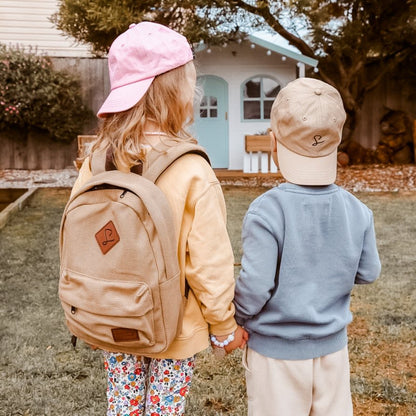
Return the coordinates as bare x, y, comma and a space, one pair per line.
150, 104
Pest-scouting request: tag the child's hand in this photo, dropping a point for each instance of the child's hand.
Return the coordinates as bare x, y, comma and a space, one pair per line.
240, 340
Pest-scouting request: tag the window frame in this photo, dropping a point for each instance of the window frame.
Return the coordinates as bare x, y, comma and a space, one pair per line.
209, 107
260, 99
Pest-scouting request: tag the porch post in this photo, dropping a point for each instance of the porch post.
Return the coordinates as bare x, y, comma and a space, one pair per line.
301, 67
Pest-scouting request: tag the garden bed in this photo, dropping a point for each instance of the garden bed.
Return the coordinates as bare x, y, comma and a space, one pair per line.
11, 201
7, 196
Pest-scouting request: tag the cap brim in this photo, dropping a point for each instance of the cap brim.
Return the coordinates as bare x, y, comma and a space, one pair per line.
125, 97
302, 170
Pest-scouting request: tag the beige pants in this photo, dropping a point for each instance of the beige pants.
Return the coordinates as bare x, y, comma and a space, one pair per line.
315, 387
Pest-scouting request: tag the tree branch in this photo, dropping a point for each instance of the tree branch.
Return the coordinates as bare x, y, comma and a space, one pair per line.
264, 12
392, 61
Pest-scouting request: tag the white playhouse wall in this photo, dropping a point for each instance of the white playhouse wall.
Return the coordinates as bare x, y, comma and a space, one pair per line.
236, 63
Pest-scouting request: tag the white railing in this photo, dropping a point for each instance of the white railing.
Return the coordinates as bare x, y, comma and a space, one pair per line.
255, 162
257, 156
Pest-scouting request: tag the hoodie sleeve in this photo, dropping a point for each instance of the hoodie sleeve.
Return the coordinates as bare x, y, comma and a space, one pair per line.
257, 277
369, 266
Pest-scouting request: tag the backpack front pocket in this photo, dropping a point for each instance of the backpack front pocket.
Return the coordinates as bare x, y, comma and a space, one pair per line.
113, 315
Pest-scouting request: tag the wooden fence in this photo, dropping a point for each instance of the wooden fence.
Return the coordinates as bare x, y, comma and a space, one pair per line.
95, 84
389, 94
34, 151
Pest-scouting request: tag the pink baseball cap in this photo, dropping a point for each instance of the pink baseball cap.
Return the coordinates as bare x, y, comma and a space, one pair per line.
136, 56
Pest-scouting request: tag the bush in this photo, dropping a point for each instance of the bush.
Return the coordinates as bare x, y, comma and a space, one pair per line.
34, 95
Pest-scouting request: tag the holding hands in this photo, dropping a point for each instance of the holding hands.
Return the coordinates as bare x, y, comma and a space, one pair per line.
230, 342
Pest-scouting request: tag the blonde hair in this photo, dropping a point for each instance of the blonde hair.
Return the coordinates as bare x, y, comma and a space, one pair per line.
166, 104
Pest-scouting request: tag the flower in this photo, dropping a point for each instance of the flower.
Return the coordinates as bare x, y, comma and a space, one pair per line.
155, 399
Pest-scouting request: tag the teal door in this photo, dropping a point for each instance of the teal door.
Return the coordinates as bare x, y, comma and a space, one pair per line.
211, 120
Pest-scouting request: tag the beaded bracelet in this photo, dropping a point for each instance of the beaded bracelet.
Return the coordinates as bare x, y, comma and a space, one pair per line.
222, 344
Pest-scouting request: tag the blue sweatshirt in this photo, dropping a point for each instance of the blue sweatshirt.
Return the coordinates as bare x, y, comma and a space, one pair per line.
304, 248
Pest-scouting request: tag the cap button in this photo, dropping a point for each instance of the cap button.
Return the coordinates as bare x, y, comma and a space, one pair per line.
132, 25
318, 91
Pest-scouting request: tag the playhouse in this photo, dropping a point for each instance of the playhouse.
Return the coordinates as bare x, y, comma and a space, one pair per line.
239, 83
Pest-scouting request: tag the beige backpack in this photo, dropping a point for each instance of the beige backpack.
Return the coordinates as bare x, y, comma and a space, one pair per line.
119, 276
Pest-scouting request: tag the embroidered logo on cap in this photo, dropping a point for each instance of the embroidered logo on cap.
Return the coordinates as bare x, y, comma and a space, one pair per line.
107, 237
318, 140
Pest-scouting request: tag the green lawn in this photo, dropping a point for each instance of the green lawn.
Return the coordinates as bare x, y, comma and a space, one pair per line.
41, 374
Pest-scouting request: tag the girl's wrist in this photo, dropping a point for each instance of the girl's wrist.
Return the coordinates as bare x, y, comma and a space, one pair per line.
224, 343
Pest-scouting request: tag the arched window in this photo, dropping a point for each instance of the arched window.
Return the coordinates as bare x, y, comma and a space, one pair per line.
258, 94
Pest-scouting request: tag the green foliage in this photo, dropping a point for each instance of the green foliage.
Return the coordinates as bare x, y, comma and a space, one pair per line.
34, 95
355, 33
98, 23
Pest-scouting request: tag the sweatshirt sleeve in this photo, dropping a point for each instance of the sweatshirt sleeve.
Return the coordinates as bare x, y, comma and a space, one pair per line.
369, 266
210, 261
257, 277
84, 175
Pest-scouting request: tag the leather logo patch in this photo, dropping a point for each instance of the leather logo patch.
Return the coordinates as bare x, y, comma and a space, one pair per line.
107, 237
125, 334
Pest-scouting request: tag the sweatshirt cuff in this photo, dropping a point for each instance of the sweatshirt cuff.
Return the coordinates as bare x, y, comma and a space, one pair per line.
223, 328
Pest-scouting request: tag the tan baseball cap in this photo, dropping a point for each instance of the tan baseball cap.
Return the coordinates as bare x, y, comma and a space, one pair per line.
307, 118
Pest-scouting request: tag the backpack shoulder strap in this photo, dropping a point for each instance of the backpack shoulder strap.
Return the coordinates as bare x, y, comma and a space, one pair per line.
102, 161
158, 159
161, 157
98, 161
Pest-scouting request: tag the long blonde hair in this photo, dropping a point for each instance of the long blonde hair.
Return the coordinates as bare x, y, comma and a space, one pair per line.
168, 104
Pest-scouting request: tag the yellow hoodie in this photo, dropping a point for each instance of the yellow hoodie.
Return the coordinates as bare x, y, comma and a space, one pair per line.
204, 251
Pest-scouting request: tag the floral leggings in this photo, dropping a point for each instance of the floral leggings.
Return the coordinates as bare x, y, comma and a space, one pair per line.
146, 386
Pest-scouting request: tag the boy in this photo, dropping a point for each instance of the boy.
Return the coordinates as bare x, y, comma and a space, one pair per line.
305, 244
